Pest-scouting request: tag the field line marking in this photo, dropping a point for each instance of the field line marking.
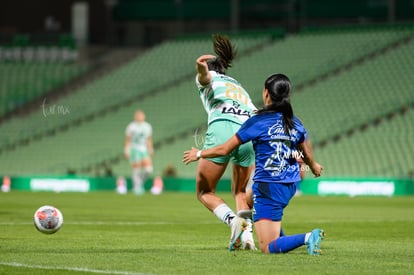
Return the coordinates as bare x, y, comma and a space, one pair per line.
78, 269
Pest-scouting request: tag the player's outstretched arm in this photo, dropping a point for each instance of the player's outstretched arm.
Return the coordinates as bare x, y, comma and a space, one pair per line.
220, 150
204, 76
306, 148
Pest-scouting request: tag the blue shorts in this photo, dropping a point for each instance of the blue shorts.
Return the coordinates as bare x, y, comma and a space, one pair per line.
270, 199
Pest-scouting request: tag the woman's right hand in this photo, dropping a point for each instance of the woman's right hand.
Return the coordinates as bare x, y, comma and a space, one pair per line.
201, 63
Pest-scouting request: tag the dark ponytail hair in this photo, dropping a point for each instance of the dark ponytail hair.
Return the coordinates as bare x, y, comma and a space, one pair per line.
225, 52
279, 87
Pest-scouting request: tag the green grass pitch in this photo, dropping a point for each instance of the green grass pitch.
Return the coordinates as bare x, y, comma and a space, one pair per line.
107, 233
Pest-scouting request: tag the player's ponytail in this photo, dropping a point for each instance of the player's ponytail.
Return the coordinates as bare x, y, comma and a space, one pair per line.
225, 52
279, 87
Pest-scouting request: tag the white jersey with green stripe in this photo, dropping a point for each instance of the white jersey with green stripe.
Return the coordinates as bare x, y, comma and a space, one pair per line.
225, 98
139, 132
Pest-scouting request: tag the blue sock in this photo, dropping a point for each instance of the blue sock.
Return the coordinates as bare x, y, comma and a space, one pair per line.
286, 243
282, 233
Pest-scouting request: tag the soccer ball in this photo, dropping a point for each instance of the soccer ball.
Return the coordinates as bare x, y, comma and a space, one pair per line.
48, 219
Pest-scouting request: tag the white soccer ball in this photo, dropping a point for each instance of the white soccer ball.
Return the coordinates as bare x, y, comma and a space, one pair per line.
48, 219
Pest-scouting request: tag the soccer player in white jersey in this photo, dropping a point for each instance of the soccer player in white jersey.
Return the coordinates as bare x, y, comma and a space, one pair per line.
139, 150
228, 105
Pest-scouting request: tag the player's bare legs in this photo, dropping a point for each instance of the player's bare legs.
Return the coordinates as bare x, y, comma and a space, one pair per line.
240, 179
208, 175
241, 176
266, 232
249, 198
147, 165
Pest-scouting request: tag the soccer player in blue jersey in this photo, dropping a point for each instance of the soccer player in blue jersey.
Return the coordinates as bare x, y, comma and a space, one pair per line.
279, 138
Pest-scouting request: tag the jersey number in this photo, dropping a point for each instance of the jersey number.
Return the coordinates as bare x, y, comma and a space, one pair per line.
236, 93
277, 161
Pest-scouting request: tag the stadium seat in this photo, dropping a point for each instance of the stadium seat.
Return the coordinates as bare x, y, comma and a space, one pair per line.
329, 106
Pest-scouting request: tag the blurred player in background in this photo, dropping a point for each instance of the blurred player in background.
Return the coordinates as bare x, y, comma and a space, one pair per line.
277, 135
139, 150
228, 105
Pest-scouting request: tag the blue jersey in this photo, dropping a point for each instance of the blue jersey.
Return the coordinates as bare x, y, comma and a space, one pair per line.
275, 150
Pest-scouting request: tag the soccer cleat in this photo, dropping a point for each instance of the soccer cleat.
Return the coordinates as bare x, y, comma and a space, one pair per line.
247, 241
238, 225
313, 245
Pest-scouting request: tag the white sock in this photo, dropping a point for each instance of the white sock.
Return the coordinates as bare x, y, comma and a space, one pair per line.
224, 213
246, 214
307, 237
145, 173
136, 179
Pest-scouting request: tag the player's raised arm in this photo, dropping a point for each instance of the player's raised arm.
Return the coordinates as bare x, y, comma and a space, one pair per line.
204, 76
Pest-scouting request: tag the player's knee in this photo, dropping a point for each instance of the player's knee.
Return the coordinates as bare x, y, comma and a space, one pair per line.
148, 169
199, 196
201, 193
264, 248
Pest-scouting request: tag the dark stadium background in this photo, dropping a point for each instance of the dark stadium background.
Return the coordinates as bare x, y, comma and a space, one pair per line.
72, 72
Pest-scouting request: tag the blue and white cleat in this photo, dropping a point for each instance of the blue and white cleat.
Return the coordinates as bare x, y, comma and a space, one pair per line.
313, 245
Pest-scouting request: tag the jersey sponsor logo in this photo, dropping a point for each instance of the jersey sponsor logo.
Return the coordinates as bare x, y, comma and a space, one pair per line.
235, 110
277, 132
